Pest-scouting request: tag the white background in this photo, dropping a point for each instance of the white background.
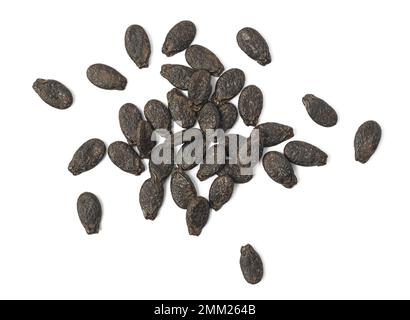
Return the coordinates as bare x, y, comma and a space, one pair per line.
341, 232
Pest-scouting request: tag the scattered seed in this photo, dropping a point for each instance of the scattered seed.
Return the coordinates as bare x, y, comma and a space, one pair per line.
90, 212
320, 111
181, 109
229, 84
158, 115
279, 169
199, 57
272, 133
178, 75
197, 215
88, 156
179, 38
129, 116
220, 192
125, 158
250, 105
254, 45
151, 198
138, 46
251, 264
209, 117
105, 77
304, 154
53, 93
199, 87
182, 188
366, 140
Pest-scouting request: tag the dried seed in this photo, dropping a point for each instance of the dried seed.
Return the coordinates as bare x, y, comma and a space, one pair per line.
237, 173
137, 45
179, 38
158, 115
182, 188
53, 93
181, 109
199, 57
228, 115
279, 169
251, 264
105, 77
129, 116
161, 168
366, 140
254, 45
320, 111
145, 139
304, 154
250, 105
229, 84
88, 156
125, 158
191, 154
151, 198
197, 215
178, 75
214, 162
90, 212
199, 87
220, 192
209, 117
272, 133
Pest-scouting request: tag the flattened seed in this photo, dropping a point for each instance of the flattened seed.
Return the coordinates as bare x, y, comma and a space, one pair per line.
53, 93
228, 115
214, 162
320, 111
197, 215
158, 115
125, 158
366, 140
209, 117
229, 84
137, 45
250, 105
304, 154
279, 169
106, 77
179, 38
272, 133
144, 140
235, 172
161, 168
88, 156
254, 45
129, 117
199, 87
182, 188
199, 57
178, 75
191, 154
151, 198
220, 192
90, 212
181, 109
251, 264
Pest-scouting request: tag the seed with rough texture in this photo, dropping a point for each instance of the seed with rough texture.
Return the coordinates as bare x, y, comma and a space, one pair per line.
304, 154
366, 140
214, 162
229, 84
181, 109
279, 169
236, 173
145, 141
87, 156
125, 158
191, 154
151, 198
178, 75
199, 57
209, 117
199, 87
137, 45
272, 133
251, 264
129, 116
197, 215
179, 38
250, 105
106, 77
158, 115
220, 192
254, 45
53, 93
320, 111
90, 212
182, 188
228, 115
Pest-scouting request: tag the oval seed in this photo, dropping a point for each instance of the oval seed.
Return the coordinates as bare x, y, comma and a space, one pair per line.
214, 162
137, 45
125, 158
182, 188
53, 93
228, 115
254, 45
209, 117
158, 115
145, 137
199, 57
106, 77
272, 133
366, 140
279, 169
251, 264
220, 192
151, 198
179, 38
305, 154
88, 156
191, 154
197, 215
250, 105
178, 75
229, 84
129, 117
181, 109
199, 87
90, 212
320, 111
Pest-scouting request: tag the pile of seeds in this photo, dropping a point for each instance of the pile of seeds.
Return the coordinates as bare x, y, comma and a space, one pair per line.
228, 157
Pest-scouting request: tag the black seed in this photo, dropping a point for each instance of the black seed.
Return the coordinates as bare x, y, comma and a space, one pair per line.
145, 142
53, 93
251, 264
228, 115
366, 140
199, 87
279, 169
191, 154
178, 75
250, 105
125, 158
87, 156
320, 111
158, 115
90, 212
151, 198
105, 77
129, 116
305, 154
209, 117
197, 215
220, 192
237, 173
272, 134
182, 188
181, 109
199, 57
214, 162
228, 85
161, 168
137, 45
254, 45
179, 38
